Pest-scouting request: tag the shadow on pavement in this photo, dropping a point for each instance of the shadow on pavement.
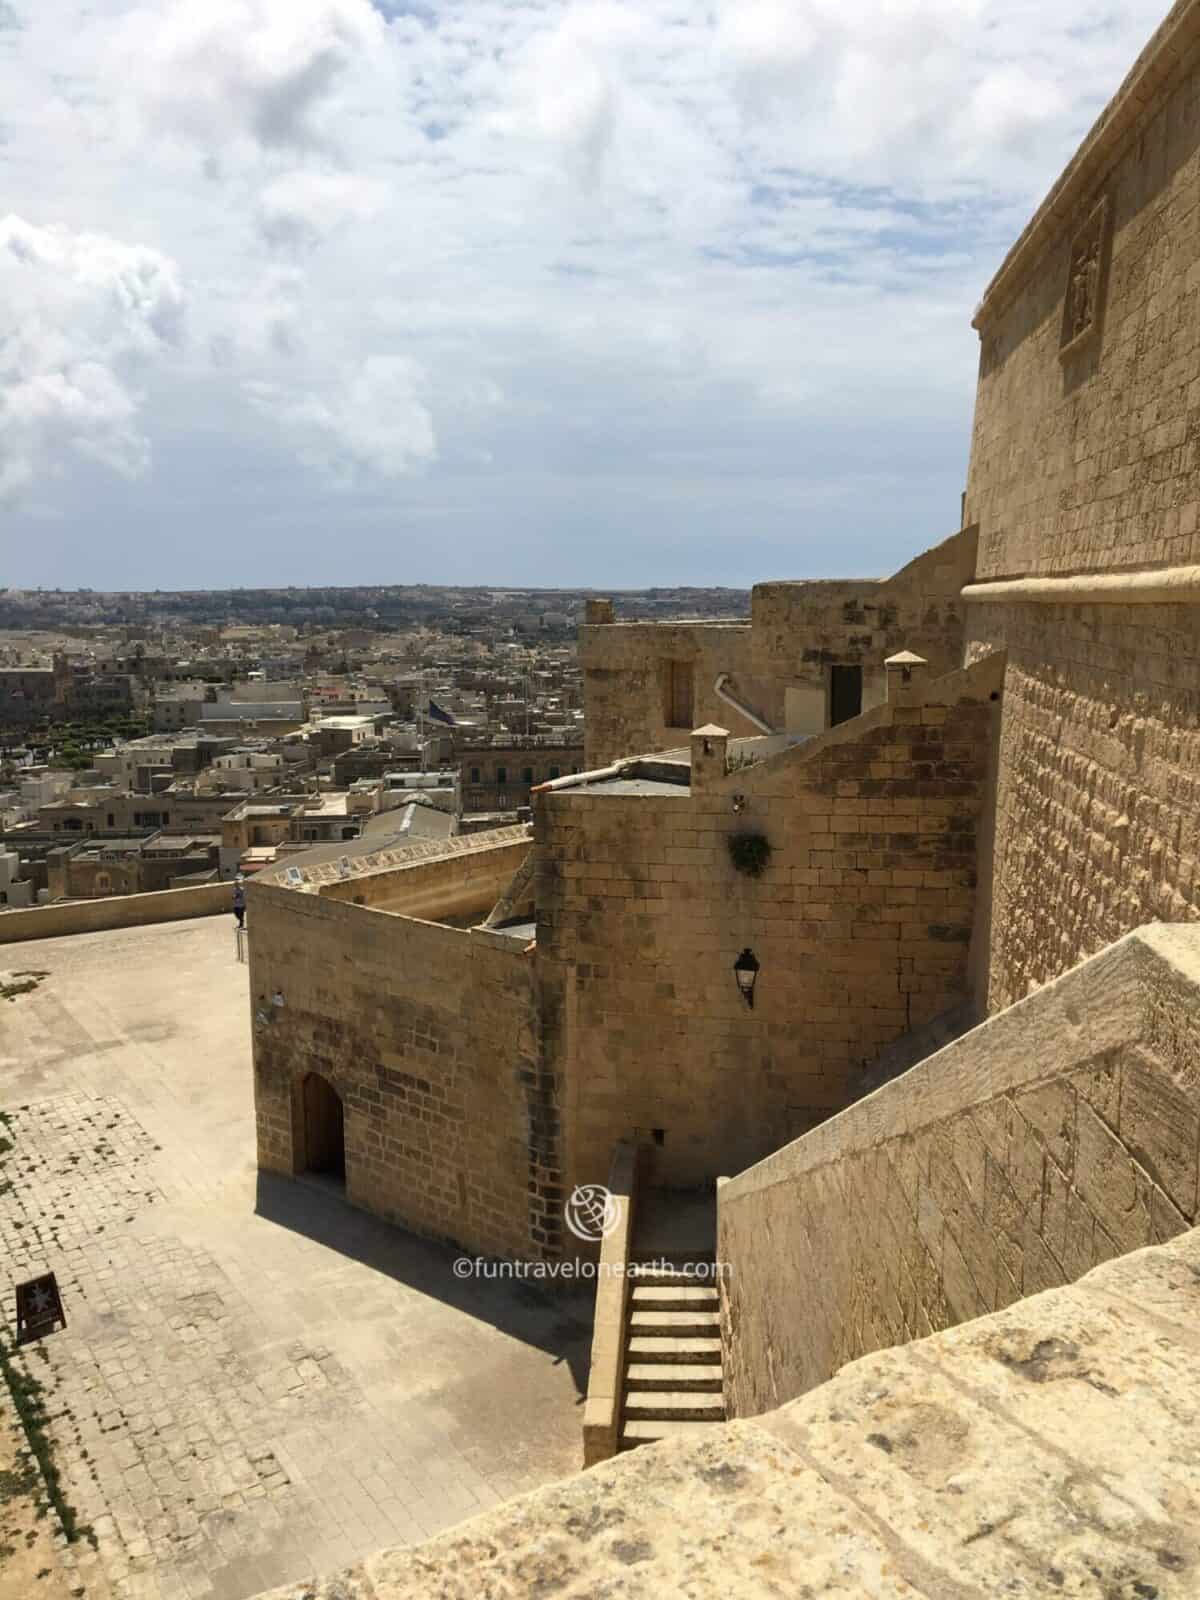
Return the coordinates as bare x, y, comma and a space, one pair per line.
555, 1319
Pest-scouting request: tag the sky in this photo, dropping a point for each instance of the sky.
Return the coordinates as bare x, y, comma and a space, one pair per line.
561, 292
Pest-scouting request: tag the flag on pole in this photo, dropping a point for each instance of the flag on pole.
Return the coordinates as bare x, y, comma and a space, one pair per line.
436, 714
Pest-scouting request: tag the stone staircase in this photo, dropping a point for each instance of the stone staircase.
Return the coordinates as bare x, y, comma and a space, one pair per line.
672, 1366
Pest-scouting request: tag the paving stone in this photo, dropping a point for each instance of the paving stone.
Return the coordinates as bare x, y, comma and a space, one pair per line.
241, 1360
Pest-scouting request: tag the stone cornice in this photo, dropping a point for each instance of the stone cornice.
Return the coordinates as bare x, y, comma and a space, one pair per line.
1159, 586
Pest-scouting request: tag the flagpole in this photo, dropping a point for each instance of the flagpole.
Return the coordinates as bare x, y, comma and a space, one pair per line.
421, 719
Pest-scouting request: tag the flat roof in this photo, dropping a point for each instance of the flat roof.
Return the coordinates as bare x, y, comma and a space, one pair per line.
632, 786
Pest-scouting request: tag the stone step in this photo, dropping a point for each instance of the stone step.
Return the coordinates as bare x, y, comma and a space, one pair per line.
636, 1433
674, 1324
674, 1405
660, 1348
668, 1277
672, 1258
649, 1297
648, 1375
695, 1272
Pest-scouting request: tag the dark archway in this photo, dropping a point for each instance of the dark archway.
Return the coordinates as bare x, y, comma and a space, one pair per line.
324, 1128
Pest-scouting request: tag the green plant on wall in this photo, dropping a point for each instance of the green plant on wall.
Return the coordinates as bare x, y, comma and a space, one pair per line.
749, 852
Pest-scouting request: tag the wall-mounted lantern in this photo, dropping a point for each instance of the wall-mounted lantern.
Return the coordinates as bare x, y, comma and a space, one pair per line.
745, 970
739, 803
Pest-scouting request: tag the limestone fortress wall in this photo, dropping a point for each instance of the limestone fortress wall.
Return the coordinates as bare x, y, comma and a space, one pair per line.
1085, 486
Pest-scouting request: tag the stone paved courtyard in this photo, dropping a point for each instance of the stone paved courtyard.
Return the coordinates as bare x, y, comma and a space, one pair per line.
256, 1382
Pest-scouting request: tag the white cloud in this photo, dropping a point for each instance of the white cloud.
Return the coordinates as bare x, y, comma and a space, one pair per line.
299, 209
371, 420
569, 86
84, 314
259, 69
924, 90
514, 264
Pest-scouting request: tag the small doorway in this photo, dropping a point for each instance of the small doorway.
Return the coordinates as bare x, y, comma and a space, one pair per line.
324, 1129
845, 693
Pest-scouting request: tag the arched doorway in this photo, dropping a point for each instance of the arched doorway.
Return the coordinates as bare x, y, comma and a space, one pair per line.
324, 1129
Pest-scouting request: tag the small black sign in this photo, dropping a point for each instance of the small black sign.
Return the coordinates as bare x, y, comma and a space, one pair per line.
39, 1307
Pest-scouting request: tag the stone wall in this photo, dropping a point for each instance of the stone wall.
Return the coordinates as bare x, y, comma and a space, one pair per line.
862, 923
801, 629
1057, 1135
117, 911
1098, 800
624, 667
1050, 1449
779, 665
1085, 465
459, 888
429, 1035
1086, 458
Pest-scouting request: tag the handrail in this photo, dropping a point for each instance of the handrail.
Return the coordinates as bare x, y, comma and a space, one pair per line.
602, 1410
743, 710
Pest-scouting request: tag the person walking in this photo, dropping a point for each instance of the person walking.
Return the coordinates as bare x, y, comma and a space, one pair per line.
239, 902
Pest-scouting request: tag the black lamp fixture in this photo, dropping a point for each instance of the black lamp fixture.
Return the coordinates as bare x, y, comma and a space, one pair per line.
745, 970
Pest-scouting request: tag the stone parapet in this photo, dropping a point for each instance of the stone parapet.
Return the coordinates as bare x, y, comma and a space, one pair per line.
602, 1408
115, 911
803, 628
1057, 1135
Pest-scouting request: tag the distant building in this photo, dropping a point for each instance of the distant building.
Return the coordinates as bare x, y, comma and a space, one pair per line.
15, 888
28, 694
136, 864
501, 778
240, 717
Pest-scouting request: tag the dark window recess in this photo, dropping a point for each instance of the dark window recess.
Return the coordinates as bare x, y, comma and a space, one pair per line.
474, 774
845, 694
678, 694
501, 774
554, 773
526, 774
